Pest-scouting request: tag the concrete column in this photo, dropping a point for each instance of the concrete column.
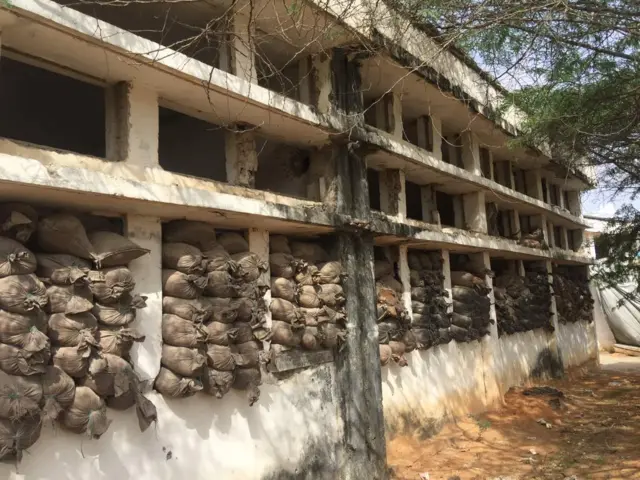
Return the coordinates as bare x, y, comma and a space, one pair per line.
540, 221
475, 212
393, 101
241, 157
471, 153
259, 244
561, 203
322, 84
578, 242
459, 212
533, 180
393, 196
557, 367
405, 278
482, 261
424, 129
574, 202
552, 236
446, 271
436, 135
132, 124
520, 268
241, 42
147, 272
429, 206
321, 174
564, 238
305, 80
514, 217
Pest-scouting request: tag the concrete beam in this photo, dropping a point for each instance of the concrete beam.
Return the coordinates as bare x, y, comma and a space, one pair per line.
475, 212
132, 124
393, 196
471, 153
241, 157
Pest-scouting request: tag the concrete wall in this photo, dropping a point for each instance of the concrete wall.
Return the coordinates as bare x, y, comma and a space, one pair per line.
577, 343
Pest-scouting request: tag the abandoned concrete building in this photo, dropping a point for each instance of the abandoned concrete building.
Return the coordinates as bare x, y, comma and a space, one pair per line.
461, 259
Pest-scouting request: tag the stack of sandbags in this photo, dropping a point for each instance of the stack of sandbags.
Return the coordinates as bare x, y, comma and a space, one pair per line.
431, 320
471, 306
508, 289
394, 325
574, 302
535, 304
24, 348
522, 303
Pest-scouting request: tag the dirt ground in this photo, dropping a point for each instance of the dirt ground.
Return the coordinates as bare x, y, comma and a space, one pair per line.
594, 433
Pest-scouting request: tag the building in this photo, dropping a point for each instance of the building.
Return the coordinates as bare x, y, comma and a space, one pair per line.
291, 118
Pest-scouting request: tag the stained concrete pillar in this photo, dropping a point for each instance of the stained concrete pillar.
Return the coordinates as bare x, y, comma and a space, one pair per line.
237, 53
552, 236
258, 240
564, 239
147, 272
459, 212
574, 205
321, 175
426, 137
446, 272
429, 205
482, 262
241, 157
557, 367
578, 243
561, 203
405, 278
540, 221
132, 124
393, 196
321, 88
471, 153
394, 113
475, 212
533, 181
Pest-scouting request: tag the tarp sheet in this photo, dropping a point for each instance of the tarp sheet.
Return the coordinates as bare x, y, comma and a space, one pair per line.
622, 313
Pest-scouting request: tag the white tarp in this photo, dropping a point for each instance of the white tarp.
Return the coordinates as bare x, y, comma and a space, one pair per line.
622, 313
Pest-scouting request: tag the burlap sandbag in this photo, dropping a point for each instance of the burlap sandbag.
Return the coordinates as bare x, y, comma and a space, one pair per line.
385, 354
220, 333
63, 233
311, 338
181, 285
219, 357
233, 242
465, 294
18, 221
461, 321
74, 298
279, 244
307, 275
184, 361
226, 310
120, 313
247, 354
183, 257
283, 288
283, 310
216, 382
118, 340
22, 294
113, 250
331, 295
420, 294
246, 309
15, 258
75, 361
249, 266
415, 278
382, 268
179, 332
222, 285
390, 282
312, 317
332, 335
62, 269
466, 279
309, 252
59, 390
111, 376
19, 396
145, 409
409, 341
16, 361
176, 386
246, 379
283, 333
87, 414
425, 336
389, 330
244, 332
111, 284
330, 272
73, 330
25, 331
308, 296
459, 334
18, 436
282, 265
197, 310
218, 259
198, 234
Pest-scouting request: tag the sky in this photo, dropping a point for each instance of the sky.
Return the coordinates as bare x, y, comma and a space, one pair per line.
600, 203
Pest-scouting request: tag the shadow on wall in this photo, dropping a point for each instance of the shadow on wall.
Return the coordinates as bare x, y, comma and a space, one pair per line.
292, 432
577, 342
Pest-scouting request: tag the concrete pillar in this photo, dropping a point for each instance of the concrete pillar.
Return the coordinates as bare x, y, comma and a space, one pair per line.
405, 278
132, 124
241, 157
241, 45
424, 129
147, 272
429, 206
520, 268
436, 136
475, 212
393, 102
459, 212
574, 202
259, 244
540, 221
471, 153
321, 175
306, 80
578, 243
557, 367
482, 261
564, 239
561, 203
446, 272
322, 84
516, 229
533, 180
393, 196
552, 236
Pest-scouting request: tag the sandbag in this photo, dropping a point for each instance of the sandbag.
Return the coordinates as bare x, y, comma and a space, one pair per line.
15, 258
465, 294
409, 341
181, 285
118, 340
466, 279
145, 409
183, 257
62, 269
249, 266
198, 234
247, 309
330, 272
385, 354
308, 296
197, 310
75, 361
87, 414
283, 288
382, 268
19, 396
282, 265
311, 338
246, 354
331, 295
179, 332
307, 275
110, 284
279, 244
233, 242
217, 259
120, 313
420, 294
244, 332
459, 334
415, 278
73, 330
312, 317
187, 362
58, 390
220, 357
389, 330
18, 221
176, 386
63, 233
309, 252
332, 335
221, 284
216, 382
248, 379
425, 337
25, 331
22, 294
389, 281
18, 436
220, 333
113, 250
16, 361
74, 298
283, 310
112, 376
397, 347
282, 333
227, 310
462, 321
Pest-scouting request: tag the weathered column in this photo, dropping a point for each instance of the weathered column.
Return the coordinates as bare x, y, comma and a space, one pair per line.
258, 240
237, 53
429, 205
574, 205
475, 212
533, 180
132, 124
305, 80
564, 238
393, 197
405, 277
540, 221
557, 367
241, 156
552, 236
446, 272
322, 82
427, 135
471, 153
459, 212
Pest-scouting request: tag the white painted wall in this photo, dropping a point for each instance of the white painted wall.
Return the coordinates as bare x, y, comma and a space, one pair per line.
577, 343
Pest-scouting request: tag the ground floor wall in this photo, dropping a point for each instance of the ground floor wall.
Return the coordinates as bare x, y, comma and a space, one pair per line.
577, 343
